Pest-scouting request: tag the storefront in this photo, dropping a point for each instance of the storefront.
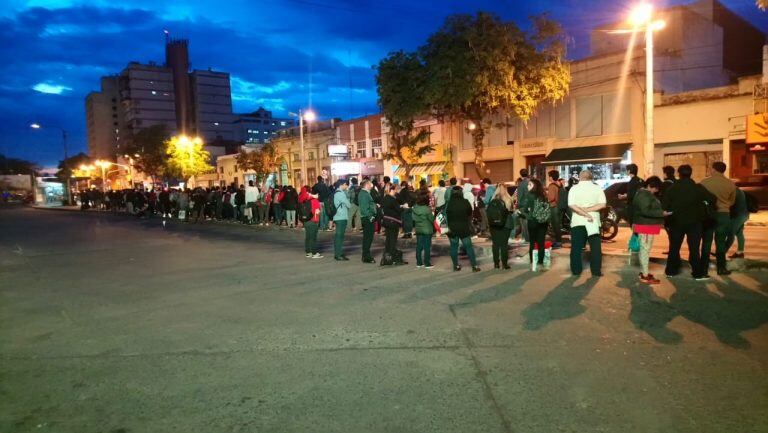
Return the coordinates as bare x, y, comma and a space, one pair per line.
608, 163
432, 172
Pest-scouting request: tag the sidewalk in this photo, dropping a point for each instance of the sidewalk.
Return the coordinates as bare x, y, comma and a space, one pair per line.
755, 233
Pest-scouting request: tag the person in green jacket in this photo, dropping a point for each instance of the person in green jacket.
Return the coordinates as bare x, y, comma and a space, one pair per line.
424, 221
647, 221
368, 217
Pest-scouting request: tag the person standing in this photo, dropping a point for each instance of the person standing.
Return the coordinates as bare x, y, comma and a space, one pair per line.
310, 202
340, 219
555, 214
391, 222
537, 214
724, 191
290, 202
406, 197
739, 217
251, 197
439, 196
586, 199
669, 180
485, 196
321, 190
522, 192
239, 203
459, 213
649, 218
685, 203
498, 211
634, 184
354, 209
368, 218
424, 222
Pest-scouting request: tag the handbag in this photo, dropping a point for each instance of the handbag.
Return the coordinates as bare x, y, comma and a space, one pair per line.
634, 243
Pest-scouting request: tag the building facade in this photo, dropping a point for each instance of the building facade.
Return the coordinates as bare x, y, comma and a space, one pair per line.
364, 144
212, 117
104, 119
257, 128
319, 139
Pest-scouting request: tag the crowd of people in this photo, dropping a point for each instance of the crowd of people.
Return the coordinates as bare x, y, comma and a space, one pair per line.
523, 213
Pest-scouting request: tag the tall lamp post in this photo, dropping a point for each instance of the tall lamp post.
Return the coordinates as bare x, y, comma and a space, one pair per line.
641, 18
308, 116
66, 153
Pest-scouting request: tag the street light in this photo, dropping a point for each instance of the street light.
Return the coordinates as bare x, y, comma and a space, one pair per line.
641, 18
308, 116
36, 125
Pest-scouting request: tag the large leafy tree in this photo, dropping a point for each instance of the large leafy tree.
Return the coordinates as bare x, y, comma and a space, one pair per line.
70, 167
17, 166
479, 66
148, 147
262, 161
187, 157
400, 80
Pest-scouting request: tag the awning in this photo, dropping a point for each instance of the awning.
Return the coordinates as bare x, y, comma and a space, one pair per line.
576, 155
423, 169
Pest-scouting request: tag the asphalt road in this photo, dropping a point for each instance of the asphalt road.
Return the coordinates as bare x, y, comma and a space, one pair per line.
109, 324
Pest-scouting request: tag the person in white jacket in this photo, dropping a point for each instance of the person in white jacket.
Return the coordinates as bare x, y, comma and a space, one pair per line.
251, 197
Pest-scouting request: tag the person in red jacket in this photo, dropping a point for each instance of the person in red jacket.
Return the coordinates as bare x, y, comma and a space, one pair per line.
309, 214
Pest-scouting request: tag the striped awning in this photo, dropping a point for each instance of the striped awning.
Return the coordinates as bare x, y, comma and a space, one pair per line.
423, 169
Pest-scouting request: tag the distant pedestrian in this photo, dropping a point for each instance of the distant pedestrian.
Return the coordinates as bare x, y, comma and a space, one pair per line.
424, 222
586, 199
553, 197
459, 213
724, 190
368, 213
354, 210
500, 224
634, 184
739, 217
522, 192
649, 218
340, 219
537, 214
439, 197
310, 217
391, 222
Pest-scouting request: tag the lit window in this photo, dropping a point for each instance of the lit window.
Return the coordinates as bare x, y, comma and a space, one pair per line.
282, 123
154, 93
215, 123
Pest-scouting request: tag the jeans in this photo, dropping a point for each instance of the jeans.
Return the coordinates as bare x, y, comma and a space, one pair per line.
719, 232
579, 239
483, 220
261, 213
692, 233
737, 233
310, 237
423, 250
353, 216
338, 239
500, 245
290, 217
556, 220
390, 240
538, 236
367, 238
524, 229
323, 217
646, 243
467, 243
279, 214
407, 221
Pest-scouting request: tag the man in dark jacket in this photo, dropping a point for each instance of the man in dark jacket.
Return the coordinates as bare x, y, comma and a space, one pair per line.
634, 184
367, 216
459, 213
322, 192
686, 200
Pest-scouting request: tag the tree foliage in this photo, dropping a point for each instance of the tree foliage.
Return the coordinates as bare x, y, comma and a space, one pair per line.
187, 157
262, 161
762, 4
479, 66
71, 166
17, 166
150, 146
400, 80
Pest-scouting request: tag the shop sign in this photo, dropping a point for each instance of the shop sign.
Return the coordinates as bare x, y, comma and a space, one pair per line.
758, 148
532, 145
337, 150
757, 128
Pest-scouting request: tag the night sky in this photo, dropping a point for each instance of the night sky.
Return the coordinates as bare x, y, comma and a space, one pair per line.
281, 54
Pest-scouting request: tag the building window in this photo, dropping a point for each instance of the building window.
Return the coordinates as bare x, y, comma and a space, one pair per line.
376, 147
282, 123
563, 119
311, 156
296, 157
361, 153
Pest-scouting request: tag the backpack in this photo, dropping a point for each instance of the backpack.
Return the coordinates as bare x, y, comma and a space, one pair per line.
752, 204
330, 207
355, 194
540, 212
497, 213
305, 211
562, 199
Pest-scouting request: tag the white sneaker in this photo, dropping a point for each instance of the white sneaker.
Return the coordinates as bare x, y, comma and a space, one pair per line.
309, 254
317, 256
429, 267
419, 266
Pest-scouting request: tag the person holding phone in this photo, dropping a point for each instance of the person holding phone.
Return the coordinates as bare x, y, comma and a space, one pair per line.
648, 221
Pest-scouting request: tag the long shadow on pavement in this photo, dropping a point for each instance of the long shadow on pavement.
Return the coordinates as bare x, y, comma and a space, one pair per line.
498, 292
730, 312
563, 302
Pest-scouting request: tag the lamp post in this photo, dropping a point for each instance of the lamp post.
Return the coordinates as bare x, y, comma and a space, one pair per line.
66, 154
308, 116
641, 17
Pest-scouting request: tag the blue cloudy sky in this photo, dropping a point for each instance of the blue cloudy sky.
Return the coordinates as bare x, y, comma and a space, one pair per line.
282, 54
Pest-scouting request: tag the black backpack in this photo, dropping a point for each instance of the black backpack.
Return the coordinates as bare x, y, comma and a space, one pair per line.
330, 206
497, 213
305, 211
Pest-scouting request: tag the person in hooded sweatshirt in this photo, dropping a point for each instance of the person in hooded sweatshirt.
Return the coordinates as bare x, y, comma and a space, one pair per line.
459, 213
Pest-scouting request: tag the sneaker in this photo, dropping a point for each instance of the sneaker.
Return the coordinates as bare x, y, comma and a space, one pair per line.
456, 268
505, 266
723, 272
429, 266
476, 269
736, 256
419, 266
317, 256
704, 277
369, 260
496, 266
309, 254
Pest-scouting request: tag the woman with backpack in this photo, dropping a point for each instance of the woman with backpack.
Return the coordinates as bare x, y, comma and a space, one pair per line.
500, 224
424, 220
535, 208
309, 214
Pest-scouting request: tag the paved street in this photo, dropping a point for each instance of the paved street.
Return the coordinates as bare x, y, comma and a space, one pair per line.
111, 324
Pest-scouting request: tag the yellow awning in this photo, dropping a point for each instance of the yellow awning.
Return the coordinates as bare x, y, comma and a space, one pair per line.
427, 168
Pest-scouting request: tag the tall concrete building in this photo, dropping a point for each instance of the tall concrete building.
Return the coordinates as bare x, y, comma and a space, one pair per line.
212, 117
257, 128
104, 117
147, 96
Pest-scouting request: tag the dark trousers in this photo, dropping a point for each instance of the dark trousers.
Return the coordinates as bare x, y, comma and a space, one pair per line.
390, 239
467, 243
338, 238
579, 239
279, 214
500, 245
423, 249
692, 233
538, 235
310, 237
556, 220
407, 221
718, 232
367, 237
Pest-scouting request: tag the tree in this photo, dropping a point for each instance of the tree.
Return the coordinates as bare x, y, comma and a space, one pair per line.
479, 66
400, 79
262, 161
71, 166
186, 157
762, 4
148, 147
17, 166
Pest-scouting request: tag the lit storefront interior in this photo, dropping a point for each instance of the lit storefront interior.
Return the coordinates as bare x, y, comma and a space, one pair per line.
608, 163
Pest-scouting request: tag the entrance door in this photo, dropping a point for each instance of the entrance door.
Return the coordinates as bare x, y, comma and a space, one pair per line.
701, 162
536, 167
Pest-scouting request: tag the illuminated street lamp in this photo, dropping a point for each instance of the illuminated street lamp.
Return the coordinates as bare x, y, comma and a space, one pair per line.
306, 116
36, 125
641, 18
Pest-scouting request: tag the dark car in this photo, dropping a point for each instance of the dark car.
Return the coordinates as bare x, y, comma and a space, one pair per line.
612, 197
